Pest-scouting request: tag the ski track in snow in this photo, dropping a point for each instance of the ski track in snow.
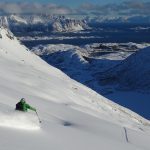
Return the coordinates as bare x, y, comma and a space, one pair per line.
17, 119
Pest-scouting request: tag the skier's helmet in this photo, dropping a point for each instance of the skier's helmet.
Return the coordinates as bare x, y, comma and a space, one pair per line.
23, 100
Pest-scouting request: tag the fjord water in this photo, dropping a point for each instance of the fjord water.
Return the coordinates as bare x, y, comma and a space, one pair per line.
107, 33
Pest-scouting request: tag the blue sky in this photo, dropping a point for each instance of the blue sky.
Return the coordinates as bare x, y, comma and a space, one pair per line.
77, 7
70, 2
74, 3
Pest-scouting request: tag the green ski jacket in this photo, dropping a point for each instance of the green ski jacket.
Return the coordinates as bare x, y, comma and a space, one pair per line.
23, 106
27, 106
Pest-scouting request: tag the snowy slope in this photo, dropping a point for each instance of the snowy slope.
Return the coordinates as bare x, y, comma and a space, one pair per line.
73, 116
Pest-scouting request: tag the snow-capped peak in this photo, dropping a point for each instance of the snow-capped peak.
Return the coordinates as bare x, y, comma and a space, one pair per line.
18, 19
43, 23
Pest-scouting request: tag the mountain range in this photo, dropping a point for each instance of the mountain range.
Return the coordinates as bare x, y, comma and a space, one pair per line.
42, 23
56, 23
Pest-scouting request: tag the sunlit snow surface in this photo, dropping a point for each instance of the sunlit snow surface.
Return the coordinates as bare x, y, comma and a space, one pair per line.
73, 116
19, 121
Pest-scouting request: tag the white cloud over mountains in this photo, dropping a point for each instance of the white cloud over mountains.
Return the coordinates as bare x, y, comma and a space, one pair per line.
33, 8
125, 8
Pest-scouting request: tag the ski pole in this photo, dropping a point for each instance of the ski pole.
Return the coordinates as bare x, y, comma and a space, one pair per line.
38, 117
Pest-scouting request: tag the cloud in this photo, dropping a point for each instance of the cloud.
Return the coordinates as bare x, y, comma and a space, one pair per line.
124, 8
21, 8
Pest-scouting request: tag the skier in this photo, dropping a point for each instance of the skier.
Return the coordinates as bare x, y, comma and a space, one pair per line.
23, 106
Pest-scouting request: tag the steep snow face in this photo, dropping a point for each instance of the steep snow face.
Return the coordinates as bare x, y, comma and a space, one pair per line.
132, 73
84, 119
42, 23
